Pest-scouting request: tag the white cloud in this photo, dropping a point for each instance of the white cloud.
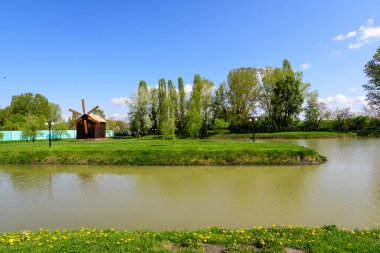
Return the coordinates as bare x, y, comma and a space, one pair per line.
305, 66
352, 90
340, 100
119, 101
369, 33
116, 116
351, 34
188, 88
340, 37
356, 45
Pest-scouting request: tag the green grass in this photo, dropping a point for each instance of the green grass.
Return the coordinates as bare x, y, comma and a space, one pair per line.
156, 152
257, 239
297, 135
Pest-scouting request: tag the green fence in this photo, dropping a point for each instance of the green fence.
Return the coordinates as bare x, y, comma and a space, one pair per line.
44, 135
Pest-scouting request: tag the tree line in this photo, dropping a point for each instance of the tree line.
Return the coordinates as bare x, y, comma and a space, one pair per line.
273, 98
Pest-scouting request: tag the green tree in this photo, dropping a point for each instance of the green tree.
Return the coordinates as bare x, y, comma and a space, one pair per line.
139, 111
220, 124
341, 117
31, 127
315, 111
55, 113
14, 122
220, 103
242, 95
162, 104
153, 97
143, 108
372, 70
206, 103
286, 96
193, 113
168, 126
181, 106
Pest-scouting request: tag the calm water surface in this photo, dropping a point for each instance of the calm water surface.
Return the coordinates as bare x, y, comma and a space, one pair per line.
344, 191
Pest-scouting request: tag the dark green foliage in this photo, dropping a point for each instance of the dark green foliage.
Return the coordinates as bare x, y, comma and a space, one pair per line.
372, 70
287, 98
162, 104
15, 116
181, 107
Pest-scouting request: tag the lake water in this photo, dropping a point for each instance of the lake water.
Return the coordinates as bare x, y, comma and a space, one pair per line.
344, 191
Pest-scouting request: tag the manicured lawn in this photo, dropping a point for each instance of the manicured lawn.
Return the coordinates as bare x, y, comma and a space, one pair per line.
156, 152
257, 239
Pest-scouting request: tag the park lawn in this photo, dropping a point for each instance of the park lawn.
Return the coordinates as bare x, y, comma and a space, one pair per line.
256, 239
156, 152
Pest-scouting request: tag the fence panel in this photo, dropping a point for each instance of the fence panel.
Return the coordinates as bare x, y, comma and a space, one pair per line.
44, 135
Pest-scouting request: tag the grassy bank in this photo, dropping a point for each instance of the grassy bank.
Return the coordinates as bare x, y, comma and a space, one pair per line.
298, 135
258, 239
156, 152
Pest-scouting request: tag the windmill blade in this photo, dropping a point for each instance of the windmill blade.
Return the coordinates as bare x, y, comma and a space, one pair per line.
76, 122
75, 112
83, 108
93, 109
85, 126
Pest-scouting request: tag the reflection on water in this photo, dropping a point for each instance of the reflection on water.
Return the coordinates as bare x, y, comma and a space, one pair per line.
344, 191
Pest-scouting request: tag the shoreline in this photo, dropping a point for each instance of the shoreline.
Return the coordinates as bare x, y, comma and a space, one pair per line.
158, 153
260, 239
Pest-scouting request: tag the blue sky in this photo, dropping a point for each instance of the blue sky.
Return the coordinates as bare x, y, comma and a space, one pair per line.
99, 50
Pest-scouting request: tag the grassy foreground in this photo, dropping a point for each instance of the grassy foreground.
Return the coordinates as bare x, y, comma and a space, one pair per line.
258, 239
298, 135
156, 152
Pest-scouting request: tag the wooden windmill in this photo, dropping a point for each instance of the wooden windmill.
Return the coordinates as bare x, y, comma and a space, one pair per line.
89, 125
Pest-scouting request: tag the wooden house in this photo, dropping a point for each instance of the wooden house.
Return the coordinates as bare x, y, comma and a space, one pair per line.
91, 126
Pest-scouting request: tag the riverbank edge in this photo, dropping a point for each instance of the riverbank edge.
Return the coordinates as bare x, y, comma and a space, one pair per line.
298, 135
272, 239
162, 158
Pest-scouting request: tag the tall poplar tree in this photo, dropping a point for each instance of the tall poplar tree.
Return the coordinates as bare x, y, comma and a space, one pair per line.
139, 111
193, 114
162, 104
181, 106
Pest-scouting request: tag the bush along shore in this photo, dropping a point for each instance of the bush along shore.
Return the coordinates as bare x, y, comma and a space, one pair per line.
256, 239
298, 135
157, 152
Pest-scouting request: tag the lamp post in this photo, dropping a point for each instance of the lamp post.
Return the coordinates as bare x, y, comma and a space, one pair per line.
252, 120
49, 124
154, 132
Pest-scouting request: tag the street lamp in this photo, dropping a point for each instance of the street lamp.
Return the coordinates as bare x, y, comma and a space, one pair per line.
49, 124
154, 132
252, 120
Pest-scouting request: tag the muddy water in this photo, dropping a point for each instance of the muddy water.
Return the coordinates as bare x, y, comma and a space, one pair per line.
344, 191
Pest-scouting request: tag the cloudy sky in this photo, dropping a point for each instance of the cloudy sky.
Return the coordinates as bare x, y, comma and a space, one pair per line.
99, 50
